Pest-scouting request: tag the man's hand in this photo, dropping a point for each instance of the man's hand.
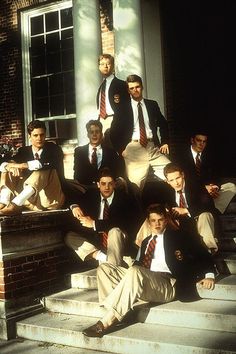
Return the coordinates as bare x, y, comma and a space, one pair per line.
86, 221
177, 211
77, 212
164, 149
16, 168
206, 283
213, 190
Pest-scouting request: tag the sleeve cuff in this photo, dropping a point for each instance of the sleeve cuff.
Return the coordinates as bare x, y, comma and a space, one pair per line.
210, 275
3, 167
34, 165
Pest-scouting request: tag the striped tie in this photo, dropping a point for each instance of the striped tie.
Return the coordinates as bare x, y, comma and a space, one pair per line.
182, 203
147, 260
105, 217
94, 159
198, 164
36, 156
103, 101
143, 135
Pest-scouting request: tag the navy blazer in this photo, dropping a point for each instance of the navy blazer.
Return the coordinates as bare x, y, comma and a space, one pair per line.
187, 259
123, 125
85, 173
118, 93
51, 158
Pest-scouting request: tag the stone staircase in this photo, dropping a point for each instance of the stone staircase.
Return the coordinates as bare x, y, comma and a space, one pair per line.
204, 326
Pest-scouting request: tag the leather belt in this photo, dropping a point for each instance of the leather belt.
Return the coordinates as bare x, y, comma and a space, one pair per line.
108, 115
137, 140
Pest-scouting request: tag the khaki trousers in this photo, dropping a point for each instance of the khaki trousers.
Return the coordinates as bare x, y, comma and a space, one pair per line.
138, 160
206, 228
47, 186
226, 193
120, 288
83, 248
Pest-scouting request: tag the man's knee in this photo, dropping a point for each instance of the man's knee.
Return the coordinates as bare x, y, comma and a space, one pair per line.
116, 233
206, 216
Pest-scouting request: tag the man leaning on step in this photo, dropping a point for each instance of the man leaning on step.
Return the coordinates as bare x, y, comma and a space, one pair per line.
169, 265
33, 180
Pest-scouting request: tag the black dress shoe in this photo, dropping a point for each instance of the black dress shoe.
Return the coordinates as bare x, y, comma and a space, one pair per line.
97, 330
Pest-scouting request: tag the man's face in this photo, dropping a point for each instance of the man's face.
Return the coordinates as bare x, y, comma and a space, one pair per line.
157, 223
106, 186
106, 67
37, 138
176, 180
199, 142
135, 89
95, 135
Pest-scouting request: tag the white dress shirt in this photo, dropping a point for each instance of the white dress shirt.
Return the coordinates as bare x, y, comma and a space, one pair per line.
136, 131
98, 152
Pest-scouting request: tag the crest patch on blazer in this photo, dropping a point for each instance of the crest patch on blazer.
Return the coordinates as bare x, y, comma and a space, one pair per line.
178, 255
117, 98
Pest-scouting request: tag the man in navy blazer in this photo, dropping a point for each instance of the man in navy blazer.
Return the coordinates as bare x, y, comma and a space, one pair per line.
126, 134
198, 164
85, 169
34, 179
169, 265
89, 224
191, 205
114, 91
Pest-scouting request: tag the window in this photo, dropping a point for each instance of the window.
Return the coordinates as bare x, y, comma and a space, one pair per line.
48, 66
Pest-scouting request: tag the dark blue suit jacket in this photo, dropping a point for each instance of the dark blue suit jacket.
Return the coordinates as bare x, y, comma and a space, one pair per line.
123, 125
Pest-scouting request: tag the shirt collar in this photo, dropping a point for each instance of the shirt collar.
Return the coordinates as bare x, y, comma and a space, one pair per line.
39, 152
109, 199
194, 153
92, 147
109, 78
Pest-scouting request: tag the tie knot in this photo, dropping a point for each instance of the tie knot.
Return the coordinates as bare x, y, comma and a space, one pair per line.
180, 192
36, 156
94, 149
139, 104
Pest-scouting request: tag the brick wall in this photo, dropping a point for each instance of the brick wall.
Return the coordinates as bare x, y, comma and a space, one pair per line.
33, 274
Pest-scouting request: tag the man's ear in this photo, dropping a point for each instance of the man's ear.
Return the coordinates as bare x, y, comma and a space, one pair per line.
98, 184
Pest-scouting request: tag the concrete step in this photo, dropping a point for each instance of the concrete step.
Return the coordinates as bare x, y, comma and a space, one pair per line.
135, 338
84, 280
226, 262
200, 314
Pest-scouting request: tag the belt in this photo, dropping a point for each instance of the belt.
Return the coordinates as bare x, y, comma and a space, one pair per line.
138, 140
107, 115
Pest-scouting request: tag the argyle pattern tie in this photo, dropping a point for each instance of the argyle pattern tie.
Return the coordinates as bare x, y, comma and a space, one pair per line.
103, 100
36, 156
94, 158
143, 135
105, 217
147, 259
198, 164
182, 203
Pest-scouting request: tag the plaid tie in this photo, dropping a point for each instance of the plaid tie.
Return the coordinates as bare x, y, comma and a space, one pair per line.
182, 203
103, 101
147, 259
94, 159
198, 164
105, 217
143, 135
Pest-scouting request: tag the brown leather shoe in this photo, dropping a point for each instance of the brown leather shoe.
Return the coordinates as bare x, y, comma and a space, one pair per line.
11, 209
97, 330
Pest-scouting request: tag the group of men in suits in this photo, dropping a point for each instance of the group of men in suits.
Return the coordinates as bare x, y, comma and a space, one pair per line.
128, 140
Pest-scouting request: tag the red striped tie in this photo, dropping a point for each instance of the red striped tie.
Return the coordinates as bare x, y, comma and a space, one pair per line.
182, 203
198, 164
103, 100
94, 159
147, 260
105, 217
143, 135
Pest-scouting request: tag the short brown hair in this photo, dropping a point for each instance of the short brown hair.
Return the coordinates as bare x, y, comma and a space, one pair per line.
134, 78
95, 122
106, 56
171, 167
35, 124
157, 209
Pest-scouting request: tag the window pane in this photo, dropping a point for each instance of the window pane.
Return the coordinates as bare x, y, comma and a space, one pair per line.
38, 65
67, 39
69, 82
37, 45
52, 22
57, 105
53, 63
66, 18
70, 103
40, 87
36, 25
52, 42
67, 60
41, 107
56, 84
